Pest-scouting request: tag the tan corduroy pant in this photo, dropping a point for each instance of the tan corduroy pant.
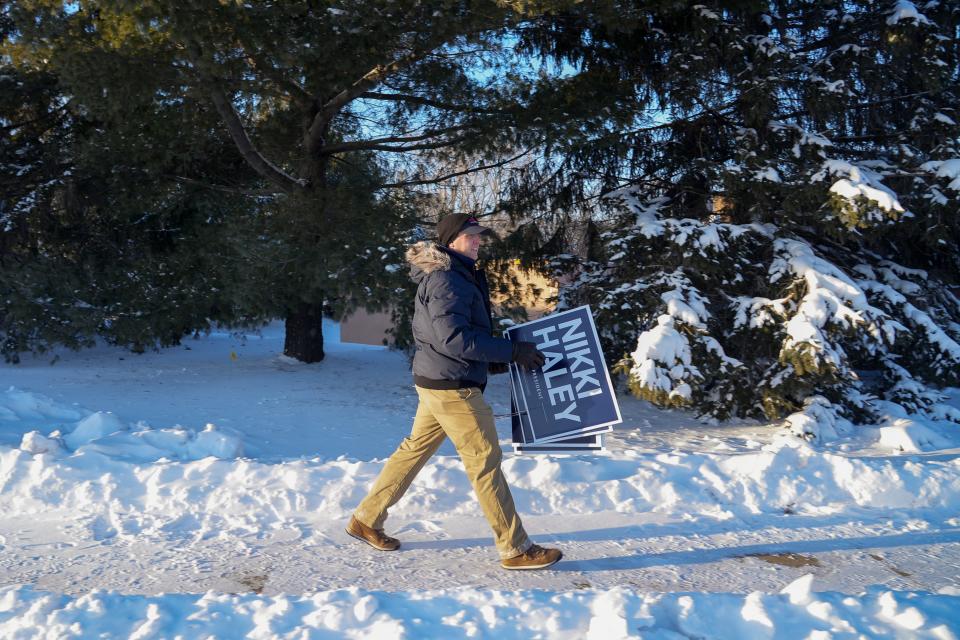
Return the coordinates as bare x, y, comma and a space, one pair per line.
464, 416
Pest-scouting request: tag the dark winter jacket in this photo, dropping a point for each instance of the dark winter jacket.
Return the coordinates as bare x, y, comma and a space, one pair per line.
451, 320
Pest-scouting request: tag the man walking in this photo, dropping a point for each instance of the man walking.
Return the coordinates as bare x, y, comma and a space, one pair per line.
454, 350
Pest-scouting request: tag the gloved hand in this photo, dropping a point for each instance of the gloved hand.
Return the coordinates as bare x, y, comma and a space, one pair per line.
493, 368
527, 356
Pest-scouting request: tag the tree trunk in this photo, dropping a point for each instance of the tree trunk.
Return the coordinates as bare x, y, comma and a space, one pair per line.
304, 333
304, 323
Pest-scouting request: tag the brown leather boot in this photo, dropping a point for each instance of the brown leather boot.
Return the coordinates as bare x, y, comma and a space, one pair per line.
376, 538
536, 557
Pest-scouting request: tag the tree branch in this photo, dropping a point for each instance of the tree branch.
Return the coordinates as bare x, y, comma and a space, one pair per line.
235, 127
294, 90
254, 158
861, 105
377, 143
455, 174
418, 147
370, 79
405, 97
254, 193
44, 116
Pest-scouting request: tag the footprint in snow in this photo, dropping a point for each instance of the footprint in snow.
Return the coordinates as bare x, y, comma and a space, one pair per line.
422, 526
101, 530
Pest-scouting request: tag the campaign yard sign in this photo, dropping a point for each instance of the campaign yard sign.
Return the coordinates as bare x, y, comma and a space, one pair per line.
568, 402
523, 439
524, 443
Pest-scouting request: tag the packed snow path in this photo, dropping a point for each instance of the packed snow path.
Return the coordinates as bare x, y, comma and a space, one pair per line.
255, 503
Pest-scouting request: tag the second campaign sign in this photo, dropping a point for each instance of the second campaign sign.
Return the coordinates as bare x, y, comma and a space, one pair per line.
571, 394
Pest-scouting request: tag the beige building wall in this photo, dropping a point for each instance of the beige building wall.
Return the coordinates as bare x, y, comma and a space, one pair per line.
365, 327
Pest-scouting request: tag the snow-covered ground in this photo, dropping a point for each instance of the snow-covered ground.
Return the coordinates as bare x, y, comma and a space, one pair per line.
204, 490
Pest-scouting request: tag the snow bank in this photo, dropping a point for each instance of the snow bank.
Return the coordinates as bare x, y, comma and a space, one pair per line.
897, 431
595, 615
136, 482
216, 497
817, 421
911, 436
105, 433
17, 405
94, 427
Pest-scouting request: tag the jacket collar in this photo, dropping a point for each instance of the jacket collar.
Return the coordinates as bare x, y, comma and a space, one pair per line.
468, 267
466, 261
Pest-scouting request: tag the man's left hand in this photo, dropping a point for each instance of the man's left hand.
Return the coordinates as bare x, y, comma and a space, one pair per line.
493, 368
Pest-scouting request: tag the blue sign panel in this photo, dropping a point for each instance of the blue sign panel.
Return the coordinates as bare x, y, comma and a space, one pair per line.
571, 395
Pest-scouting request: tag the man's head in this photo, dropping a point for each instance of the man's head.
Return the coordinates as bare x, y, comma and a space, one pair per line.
461, 232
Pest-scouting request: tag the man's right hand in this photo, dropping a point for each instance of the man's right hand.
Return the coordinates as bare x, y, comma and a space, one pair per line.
527, 356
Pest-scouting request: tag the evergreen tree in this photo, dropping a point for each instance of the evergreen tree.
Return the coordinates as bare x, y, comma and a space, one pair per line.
290, 121
779, 232
91, 244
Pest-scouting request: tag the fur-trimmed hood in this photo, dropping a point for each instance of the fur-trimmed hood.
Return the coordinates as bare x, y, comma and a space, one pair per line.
425, 257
